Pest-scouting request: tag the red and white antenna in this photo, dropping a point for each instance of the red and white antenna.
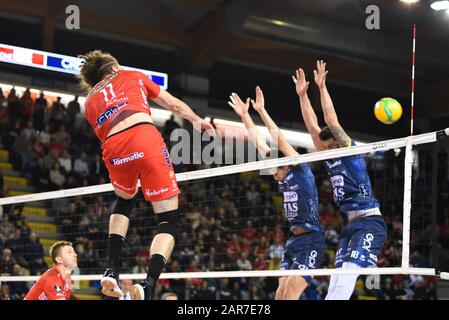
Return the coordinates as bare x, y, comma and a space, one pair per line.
413, 81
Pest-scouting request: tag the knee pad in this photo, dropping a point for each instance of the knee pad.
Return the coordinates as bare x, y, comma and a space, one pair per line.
168, 222
124, 206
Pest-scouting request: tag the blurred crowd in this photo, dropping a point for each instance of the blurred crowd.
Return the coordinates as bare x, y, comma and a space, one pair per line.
233, 222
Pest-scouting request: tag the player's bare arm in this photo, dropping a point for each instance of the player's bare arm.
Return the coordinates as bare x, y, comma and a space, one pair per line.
308, 114
173, 104
330, 116
276, 134
241, 108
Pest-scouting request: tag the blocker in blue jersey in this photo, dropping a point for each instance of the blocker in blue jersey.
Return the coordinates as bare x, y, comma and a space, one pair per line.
362, 238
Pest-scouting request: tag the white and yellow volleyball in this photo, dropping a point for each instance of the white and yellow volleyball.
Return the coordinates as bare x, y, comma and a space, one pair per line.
388, 110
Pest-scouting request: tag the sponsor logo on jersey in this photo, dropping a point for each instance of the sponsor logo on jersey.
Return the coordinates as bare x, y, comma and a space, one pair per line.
331, 165
312, 258
150, 193
290, 196
58, 288
122, 187
126, 159
367, 242
102, 118
166, 156
337, 181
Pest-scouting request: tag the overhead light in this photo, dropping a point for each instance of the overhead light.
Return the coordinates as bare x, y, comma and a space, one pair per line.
440, 5
409, 1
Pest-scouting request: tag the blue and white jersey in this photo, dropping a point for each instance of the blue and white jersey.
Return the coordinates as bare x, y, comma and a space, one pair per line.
351, 184
301, 198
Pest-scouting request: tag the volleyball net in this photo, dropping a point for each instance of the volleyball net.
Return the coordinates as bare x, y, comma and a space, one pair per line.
233, 224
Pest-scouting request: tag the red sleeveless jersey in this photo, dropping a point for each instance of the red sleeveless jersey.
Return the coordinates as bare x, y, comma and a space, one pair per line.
124, 90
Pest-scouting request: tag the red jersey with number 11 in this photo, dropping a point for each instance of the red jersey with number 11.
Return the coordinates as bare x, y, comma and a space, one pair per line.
124, 90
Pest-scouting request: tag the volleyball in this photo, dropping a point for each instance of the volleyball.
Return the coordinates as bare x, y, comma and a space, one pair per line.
388, 110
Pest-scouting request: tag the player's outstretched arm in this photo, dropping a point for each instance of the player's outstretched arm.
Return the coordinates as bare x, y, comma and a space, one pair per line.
175, 105
330, 116
241, 108
308, 114
276, 134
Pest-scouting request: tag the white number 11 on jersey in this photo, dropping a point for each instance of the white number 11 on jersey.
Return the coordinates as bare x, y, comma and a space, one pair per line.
105, 92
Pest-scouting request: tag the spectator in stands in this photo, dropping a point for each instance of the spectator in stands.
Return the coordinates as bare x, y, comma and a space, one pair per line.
73, 109
243, 263
256, 292
28, 106
169, 296
18, 289
45, 135
252, 194
142, 260
126, 285
65, 161
29, 132
34, 253
80, 166
90, 259
41, 176
15, 107
17, 244
223, 292
169, 126
68, 221
7, 262
57, 177
38, 147
6, 228
62, 137
57, 114
205, 293
134, 241
40, 109
276, 249
249, 232
3, 102
4, 292
97, 170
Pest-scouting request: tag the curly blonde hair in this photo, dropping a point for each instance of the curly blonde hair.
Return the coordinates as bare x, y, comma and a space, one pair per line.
94, 67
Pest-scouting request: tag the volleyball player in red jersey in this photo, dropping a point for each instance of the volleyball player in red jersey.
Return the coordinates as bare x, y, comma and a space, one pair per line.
56, 283
117, 109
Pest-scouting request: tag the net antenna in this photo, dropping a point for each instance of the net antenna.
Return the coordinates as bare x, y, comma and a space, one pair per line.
412, 116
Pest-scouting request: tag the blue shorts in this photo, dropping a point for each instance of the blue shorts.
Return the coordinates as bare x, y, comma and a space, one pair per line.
304, 252
361, 242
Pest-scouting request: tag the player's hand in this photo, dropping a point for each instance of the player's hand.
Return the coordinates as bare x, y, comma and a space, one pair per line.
320, 74
301, 85
202, 124
240, 107
259, 104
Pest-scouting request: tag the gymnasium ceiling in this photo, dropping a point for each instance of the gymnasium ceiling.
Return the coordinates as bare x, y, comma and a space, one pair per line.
276, 35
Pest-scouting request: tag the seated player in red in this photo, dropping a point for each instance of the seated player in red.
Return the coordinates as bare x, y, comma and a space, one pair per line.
56, 283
